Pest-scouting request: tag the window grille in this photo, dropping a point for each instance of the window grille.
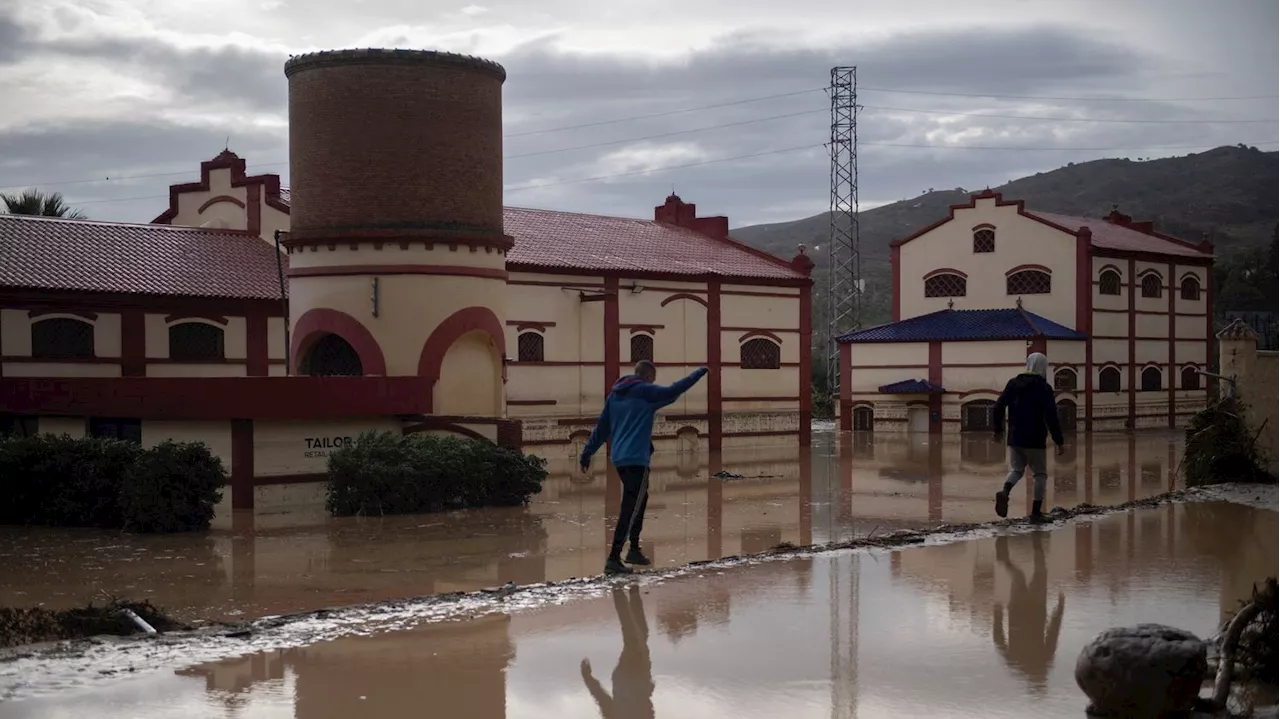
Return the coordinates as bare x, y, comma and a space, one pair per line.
1190, 378
196, 341
1109, 380
61, 338
761, 353
1151, 379
1109, 283
977, 415
945, 285
1028, 282
641, 347
1190, 288
1151, 285
984, 241
1064, 380
529, 347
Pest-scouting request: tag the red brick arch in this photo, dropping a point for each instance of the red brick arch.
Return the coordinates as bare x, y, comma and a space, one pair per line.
470, 319
320, 321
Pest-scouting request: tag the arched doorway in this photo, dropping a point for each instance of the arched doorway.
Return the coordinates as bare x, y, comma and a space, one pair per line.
470, 381
331, 356
1067, 415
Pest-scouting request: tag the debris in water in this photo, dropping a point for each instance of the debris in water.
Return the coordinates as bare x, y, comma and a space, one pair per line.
722, 474
118, 617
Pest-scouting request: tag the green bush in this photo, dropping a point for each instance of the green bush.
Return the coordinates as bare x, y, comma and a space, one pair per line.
385, 473
59, 481
1221, 448
824, 404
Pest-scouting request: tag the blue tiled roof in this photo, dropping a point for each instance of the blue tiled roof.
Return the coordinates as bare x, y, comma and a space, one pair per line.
959, 325
912, 386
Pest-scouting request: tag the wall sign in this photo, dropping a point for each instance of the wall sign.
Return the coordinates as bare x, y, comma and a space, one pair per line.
321, 446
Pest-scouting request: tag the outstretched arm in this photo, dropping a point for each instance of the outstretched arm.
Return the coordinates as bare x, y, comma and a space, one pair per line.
597, 438
660, 395
603, 700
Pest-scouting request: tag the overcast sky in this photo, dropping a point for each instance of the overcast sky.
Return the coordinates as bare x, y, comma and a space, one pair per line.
95, 89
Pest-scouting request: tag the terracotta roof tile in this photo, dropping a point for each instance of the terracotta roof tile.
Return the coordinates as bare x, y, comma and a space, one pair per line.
547, 240
960, 325
1112, 236
82, 255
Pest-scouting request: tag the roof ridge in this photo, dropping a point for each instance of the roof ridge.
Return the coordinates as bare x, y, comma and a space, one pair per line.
1026, 317
114, 223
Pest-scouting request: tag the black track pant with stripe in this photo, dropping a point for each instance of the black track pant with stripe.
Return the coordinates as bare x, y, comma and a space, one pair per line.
635, 497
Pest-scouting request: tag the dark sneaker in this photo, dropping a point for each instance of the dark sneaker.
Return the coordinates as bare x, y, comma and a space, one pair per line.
1002, 503
613, 565
635, 556
1037, 513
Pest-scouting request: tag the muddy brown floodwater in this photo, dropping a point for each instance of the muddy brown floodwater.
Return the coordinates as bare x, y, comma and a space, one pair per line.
288, 556
988, 627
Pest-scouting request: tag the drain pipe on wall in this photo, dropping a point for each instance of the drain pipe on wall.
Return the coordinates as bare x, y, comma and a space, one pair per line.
284, 302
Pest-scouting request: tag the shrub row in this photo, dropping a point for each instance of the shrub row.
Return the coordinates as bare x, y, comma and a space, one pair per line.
385, 473
59, 481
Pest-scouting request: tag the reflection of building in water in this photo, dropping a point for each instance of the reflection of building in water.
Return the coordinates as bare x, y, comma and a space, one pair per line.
455, 669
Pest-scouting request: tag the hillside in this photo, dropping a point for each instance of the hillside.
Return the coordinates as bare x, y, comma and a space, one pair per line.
1228, 192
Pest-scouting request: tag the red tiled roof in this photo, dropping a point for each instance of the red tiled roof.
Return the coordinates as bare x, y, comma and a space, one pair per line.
1112, 236
88, 256
547, 240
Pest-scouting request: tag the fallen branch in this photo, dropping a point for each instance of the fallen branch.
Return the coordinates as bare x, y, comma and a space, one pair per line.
1231, 641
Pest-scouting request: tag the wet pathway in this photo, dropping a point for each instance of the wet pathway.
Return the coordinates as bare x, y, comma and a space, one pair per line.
288, 556
987, 627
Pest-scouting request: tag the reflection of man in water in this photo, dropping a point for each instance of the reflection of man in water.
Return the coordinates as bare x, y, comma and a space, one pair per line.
633, 677
1031, 645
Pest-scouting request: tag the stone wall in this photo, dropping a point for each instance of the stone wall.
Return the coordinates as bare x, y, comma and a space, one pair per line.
1254, 372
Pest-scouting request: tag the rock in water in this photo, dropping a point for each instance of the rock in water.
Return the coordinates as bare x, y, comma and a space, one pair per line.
1145, 671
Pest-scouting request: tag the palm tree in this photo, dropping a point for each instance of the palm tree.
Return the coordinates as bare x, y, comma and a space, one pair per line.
35, 202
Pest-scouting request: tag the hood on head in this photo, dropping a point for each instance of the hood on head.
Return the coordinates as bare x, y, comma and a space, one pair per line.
1037, 363
624, 384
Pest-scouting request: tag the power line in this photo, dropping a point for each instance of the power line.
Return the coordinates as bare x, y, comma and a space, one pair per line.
518, 188
760, 99
1071, 99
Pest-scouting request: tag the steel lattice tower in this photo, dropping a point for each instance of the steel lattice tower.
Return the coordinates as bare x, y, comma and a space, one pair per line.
845, 285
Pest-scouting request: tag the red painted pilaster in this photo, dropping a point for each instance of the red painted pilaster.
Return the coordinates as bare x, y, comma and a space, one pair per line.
1133, 345
895, 269
806, 365
935, 377
133, 343
242, 464
1172, 374
846, 391
715, 405
1209, 335
1039, 344
1084, 314
256, 345
612, 365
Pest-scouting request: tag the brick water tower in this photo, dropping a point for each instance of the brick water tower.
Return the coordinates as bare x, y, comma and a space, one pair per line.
397, 255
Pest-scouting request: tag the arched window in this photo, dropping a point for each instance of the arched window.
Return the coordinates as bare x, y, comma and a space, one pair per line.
984, 240
864, 418
760, 353
190, 341
1109, 380
1190, 378
976, 415
1190, 288
1151, 285
61, 338
945, 285
1151, 379
332, 356
641, 347
529, 347
1067, 415
1109, 283
1064, 380
1027, 282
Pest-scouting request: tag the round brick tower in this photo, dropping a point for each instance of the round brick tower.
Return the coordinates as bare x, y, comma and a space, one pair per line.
396, 249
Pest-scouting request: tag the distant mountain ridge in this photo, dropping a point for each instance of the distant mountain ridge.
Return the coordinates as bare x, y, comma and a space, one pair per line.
1228, 192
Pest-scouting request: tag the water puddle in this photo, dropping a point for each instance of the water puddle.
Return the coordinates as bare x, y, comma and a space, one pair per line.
988, 627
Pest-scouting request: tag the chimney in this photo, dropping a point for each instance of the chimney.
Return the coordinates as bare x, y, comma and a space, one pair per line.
684, 214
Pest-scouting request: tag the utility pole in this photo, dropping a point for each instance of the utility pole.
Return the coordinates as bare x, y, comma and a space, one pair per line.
845, 284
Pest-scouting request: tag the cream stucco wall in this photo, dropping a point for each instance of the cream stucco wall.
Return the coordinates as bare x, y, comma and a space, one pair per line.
470, 381
286, 448
227, 215
73, 426
1019, 241
215, 435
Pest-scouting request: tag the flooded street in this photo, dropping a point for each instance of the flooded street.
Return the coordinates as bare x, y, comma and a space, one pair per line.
988, 627
288, 555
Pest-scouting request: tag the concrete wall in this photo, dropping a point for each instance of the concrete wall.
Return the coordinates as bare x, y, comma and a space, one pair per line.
1255, 372
1019, 241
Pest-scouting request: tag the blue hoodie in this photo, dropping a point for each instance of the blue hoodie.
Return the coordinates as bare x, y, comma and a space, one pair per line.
627, 419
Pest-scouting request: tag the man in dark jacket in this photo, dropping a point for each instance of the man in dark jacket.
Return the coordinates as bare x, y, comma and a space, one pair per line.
627, 423
1028, 398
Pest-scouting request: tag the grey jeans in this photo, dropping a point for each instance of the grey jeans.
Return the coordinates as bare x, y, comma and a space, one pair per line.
1019, 458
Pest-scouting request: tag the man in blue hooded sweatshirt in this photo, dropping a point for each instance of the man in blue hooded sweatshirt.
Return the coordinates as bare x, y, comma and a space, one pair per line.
1028, 399
627, 422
